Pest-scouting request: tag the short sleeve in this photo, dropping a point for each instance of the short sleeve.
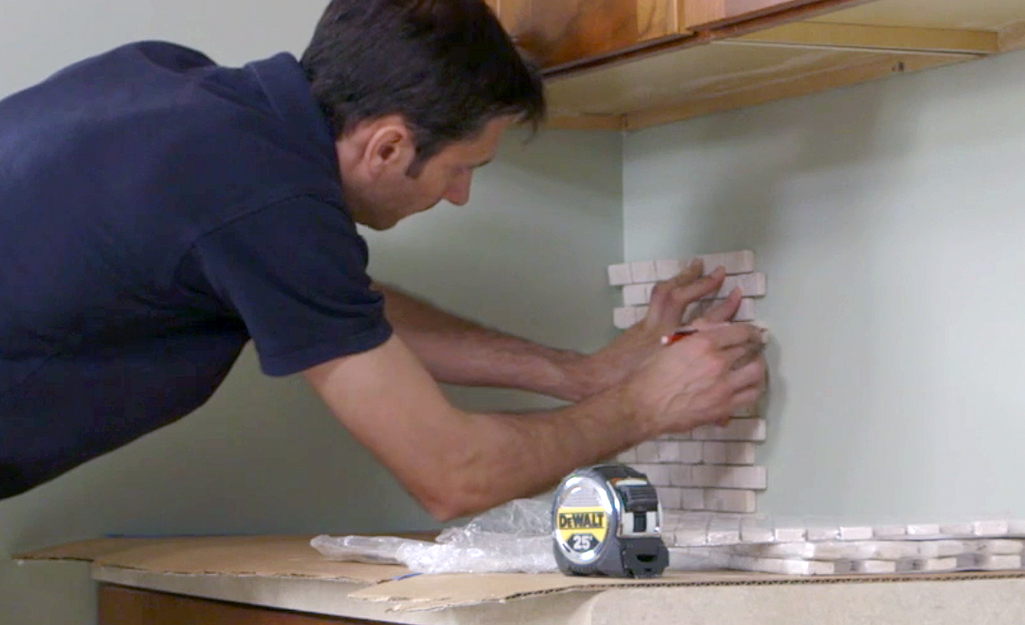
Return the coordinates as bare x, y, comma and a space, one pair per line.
295, 273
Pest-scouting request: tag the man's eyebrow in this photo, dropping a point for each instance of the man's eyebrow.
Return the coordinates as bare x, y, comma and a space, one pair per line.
481, 164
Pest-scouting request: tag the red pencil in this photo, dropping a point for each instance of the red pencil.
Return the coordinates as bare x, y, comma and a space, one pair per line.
684, 331
680, 333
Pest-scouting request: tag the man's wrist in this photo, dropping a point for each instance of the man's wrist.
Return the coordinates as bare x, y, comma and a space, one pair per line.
577, 376
637, 407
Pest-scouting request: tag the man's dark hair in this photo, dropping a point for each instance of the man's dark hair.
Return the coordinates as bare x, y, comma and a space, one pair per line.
446, 66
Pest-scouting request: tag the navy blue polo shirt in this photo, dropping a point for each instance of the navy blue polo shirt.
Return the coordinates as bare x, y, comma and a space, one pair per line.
156, 212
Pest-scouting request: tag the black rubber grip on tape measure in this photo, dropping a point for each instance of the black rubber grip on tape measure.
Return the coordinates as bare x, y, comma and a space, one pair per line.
639, 498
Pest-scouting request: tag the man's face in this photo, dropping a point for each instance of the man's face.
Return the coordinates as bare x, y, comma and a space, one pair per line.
393, 194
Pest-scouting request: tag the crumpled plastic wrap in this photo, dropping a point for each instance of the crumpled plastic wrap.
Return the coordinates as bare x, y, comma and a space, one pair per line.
513, 538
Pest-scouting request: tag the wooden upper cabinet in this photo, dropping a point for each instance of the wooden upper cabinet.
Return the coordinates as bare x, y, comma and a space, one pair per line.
707, 14
650, 62
556, 33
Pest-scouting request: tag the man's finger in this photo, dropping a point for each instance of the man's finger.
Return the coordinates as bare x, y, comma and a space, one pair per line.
745, 398
737, 356
680, 294
697, 310
750, 351
724, 310
751, 375
729, 335
690, 273
670, 298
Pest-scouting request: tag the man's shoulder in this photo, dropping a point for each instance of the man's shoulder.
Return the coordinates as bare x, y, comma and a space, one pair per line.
151, 145
216, 141
166, 53
135, 85
135, 58
163, 54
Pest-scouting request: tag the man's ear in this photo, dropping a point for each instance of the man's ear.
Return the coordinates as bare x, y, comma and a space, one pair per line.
390, 147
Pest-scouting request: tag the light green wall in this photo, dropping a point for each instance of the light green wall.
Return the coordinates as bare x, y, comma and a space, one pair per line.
263, 455
889, 219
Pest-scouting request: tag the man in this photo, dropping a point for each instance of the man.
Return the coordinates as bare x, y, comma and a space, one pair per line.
158, 211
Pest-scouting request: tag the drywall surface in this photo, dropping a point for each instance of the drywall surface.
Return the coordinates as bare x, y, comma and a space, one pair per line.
889, 220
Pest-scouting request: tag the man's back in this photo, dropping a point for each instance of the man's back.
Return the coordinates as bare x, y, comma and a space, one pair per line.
111, 174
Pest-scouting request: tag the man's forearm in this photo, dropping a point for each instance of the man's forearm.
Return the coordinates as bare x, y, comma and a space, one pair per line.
459, 351
455, 462
499, 457
512, 456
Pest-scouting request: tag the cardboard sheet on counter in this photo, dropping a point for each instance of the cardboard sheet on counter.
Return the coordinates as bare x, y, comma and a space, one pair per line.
293, 557
437, 592
260, 556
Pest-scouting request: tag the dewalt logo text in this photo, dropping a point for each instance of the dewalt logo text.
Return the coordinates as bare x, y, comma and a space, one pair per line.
581, 520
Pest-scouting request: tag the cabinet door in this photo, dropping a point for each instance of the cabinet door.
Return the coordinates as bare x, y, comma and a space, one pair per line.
704, 14
564, 32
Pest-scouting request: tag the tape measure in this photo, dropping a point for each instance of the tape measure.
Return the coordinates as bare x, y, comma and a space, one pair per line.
608, 521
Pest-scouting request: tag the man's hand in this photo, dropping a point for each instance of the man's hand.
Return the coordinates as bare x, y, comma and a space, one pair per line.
614, 363
702, 378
